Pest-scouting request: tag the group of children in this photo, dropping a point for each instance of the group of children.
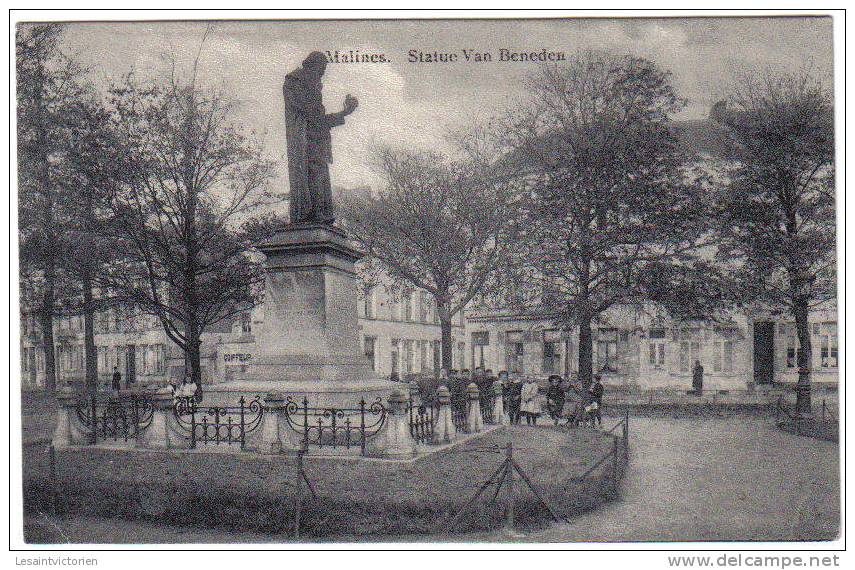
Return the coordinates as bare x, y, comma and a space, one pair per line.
520, 400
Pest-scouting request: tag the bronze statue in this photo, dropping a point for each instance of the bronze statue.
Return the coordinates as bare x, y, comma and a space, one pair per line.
307, 131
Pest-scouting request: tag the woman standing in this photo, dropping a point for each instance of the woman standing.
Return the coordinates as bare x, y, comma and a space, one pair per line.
529, 404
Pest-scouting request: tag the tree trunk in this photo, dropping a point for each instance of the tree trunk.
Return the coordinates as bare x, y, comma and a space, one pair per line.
89, 334
445, 327
805, 356
46, 324
586, 352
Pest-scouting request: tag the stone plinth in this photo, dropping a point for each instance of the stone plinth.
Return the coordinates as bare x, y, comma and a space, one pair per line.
309, 345
310, 328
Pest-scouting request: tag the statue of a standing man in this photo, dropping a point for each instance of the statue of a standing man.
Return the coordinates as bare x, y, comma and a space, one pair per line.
307, 130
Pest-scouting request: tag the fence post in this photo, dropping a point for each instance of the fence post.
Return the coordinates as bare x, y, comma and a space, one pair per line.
94, 410
64, 434
444, 431
53, 481
615, 464
395, 439
156, 436
474, 421
298, 499
509, 513
271, 442
626, 435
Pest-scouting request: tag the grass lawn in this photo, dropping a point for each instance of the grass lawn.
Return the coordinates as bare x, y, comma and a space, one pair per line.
356, 498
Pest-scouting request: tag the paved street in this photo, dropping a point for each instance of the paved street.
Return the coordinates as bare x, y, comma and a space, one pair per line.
717, 479
689, 479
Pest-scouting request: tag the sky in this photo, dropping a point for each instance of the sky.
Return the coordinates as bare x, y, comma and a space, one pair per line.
416, 104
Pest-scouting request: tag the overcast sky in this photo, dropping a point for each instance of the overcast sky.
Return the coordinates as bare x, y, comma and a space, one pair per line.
413, 104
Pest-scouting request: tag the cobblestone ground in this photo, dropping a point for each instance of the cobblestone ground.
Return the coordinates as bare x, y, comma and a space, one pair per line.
717, 479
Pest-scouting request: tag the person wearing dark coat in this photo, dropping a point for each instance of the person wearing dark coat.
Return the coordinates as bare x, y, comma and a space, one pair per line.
596, 404
698, 378
515, 399
555, 398
117, 379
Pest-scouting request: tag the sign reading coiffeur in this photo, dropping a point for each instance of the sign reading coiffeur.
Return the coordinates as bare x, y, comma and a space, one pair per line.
236, 358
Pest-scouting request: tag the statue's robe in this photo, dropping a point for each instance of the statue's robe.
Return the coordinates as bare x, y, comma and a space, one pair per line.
307, 131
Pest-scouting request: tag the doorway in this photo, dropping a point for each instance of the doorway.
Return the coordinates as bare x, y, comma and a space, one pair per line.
764, 352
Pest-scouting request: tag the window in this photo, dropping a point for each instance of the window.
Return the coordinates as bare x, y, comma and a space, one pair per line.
792, 354
514, 351
370, 348
408, 306
607, 350
656, 354
461, 355
722, 356
424, 307
102, 359
551, 352
828, 350
368, 303
408, 356
394, 308
689, 353
246, 323
395, 356
424, 355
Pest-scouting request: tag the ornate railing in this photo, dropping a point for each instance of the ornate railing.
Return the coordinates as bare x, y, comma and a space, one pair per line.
114, 417
422, 418
459, 411
217, 425
335, 427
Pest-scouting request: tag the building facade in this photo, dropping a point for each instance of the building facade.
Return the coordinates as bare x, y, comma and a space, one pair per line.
400, 334
637, 349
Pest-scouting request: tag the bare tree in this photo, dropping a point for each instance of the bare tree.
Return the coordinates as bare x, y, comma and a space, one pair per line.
777, 214
436, 225
189, 179
608, 196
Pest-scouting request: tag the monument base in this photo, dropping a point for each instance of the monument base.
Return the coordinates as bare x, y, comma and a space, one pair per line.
319, 393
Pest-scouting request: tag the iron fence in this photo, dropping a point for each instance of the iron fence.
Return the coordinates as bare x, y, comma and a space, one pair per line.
422, 418
459, 411
335, 427
217, 425
115, 417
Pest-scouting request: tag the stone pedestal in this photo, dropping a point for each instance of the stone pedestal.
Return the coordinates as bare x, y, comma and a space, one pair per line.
309, 344
310, 323
156, 435
443, 429
395, 441
274, 403
65, 433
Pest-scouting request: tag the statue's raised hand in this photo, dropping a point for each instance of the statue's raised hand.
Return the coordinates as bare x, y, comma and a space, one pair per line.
350, 104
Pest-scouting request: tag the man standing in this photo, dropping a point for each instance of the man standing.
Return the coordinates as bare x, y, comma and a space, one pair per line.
698, 378
596, 405
117, 379
307, 132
